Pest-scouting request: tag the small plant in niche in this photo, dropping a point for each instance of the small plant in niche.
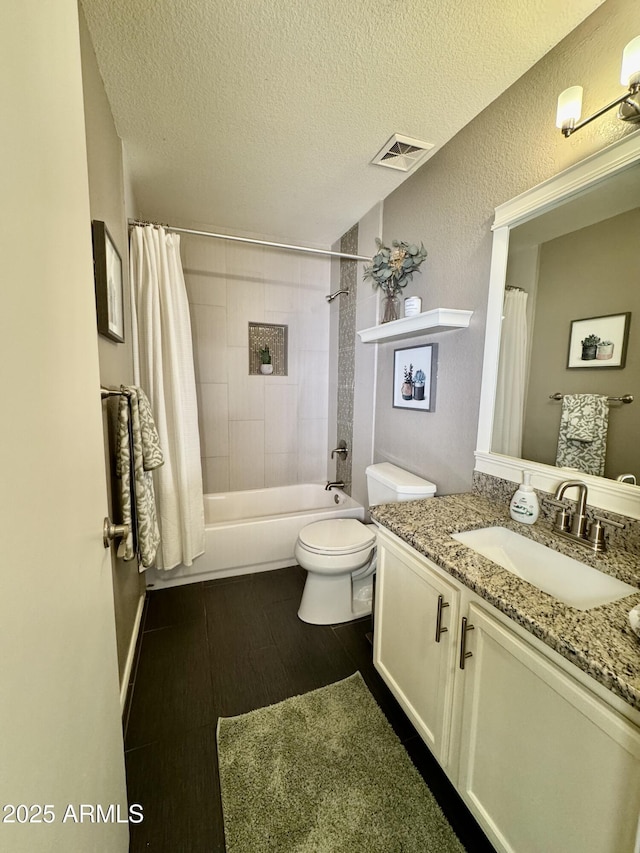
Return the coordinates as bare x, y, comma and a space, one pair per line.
265, 360
265, 355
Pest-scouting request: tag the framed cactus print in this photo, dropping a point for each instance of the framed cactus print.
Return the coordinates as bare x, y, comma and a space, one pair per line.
598, 342
414, 377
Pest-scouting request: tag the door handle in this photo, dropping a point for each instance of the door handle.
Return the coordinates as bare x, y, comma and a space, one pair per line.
439, 629
111, 531
464, 654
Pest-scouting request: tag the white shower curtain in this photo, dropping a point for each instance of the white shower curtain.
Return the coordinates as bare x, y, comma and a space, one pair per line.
512, 374
163, 366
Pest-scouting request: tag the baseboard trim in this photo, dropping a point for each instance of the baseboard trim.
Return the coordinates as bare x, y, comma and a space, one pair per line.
164, 581
131, 655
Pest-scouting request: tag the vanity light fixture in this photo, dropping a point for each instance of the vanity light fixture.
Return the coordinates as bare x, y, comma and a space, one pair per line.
570, 101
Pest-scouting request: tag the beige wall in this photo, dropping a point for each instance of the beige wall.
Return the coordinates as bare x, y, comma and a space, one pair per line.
589, 273
59, 712
449, 204
106, 192
258, 431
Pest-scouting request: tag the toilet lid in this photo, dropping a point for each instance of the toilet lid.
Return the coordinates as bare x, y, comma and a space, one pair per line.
337, 536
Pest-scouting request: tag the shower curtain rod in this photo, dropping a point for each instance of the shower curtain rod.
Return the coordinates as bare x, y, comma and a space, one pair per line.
307, 249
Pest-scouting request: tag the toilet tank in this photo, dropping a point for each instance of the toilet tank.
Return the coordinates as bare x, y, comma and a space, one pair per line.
386, 483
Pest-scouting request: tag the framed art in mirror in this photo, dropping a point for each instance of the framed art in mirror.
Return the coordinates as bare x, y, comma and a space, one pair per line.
598, 342
107, 265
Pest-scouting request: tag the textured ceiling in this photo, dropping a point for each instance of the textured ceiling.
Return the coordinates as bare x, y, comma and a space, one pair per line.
263, 115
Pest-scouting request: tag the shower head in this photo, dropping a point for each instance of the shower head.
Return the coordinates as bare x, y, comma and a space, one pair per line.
332, 296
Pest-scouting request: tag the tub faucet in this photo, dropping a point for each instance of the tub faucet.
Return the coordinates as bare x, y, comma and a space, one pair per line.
337, 485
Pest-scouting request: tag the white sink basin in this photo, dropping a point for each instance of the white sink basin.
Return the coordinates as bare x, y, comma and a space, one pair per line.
564, 578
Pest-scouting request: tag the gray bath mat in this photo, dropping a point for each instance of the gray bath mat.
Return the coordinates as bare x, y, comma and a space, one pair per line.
325, 773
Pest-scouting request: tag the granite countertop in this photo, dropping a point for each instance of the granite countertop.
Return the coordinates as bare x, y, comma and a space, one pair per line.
599, 641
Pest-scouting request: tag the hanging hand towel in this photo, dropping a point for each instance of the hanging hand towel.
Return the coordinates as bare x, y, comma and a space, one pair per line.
138, 453
150, 442
582, 438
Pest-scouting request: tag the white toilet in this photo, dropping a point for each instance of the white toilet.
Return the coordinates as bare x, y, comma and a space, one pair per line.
339, 554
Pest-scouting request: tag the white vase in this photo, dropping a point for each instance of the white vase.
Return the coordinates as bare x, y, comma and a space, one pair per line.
266, 369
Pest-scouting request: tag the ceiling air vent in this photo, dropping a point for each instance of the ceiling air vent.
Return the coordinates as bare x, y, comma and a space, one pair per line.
402, 152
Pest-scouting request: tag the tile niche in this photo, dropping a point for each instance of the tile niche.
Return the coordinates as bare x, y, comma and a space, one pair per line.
275, 337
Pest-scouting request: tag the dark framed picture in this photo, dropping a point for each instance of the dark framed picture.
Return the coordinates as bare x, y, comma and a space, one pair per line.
414, 377
598, 342
107, 265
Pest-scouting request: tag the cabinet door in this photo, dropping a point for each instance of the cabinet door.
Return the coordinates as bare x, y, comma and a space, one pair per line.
545, 766
418, 667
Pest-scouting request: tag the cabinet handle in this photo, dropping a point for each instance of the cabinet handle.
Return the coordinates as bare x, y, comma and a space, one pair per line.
439, 629
464, 654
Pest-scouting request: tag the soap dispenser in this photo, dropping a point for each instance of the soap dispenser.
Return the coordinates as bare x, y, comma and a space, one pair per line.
524, 505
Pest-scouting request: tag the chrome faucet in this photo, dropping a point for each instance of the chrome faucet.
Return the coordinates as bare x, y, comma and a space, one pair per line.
337, 485
575, 526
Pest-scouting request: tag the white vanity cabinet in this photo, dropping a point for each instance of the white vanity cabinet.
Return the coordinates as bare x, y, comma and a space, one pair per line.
544, 763
414, 644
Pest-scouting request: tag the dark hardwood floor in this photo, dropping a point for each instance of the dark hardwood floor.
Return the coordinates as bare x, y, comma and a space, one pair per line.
223, 648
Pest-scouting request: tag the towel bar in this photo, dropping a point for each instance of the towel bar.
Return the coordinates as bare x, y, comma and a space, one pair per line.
626, 398
113, 392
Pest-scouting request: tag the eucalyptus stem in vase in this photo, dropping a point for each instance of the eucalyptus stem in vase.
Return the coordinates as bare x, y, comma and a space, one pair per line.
391, 269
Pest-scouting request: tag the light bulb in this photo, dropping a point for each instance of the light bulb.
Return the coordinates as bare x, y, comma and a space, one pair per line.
630, 72
569, 106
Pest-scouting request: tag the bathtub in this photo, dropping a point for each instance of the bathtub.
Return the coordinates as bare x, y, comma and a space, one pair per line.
256, 530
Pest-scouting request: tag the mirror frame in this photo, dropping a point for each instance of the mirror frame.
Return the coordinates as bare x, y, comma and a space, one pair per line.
579, 178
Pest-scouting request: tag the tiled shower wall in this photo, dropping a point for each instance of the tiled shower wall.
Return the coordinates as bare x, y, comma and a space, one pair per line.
353, 364
258, 431
346, 353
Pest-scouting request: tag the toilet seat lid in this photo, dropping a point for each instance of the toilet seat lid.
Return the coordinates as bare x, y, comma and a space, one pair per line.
337, 536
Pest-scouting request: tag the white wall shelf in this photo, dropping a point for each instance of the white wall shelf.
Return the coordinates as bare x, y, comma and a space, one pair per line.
429, 322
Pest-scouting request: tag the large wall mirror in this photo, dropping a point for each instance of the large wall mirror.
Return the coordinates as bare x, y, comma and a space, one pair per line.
564, 319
